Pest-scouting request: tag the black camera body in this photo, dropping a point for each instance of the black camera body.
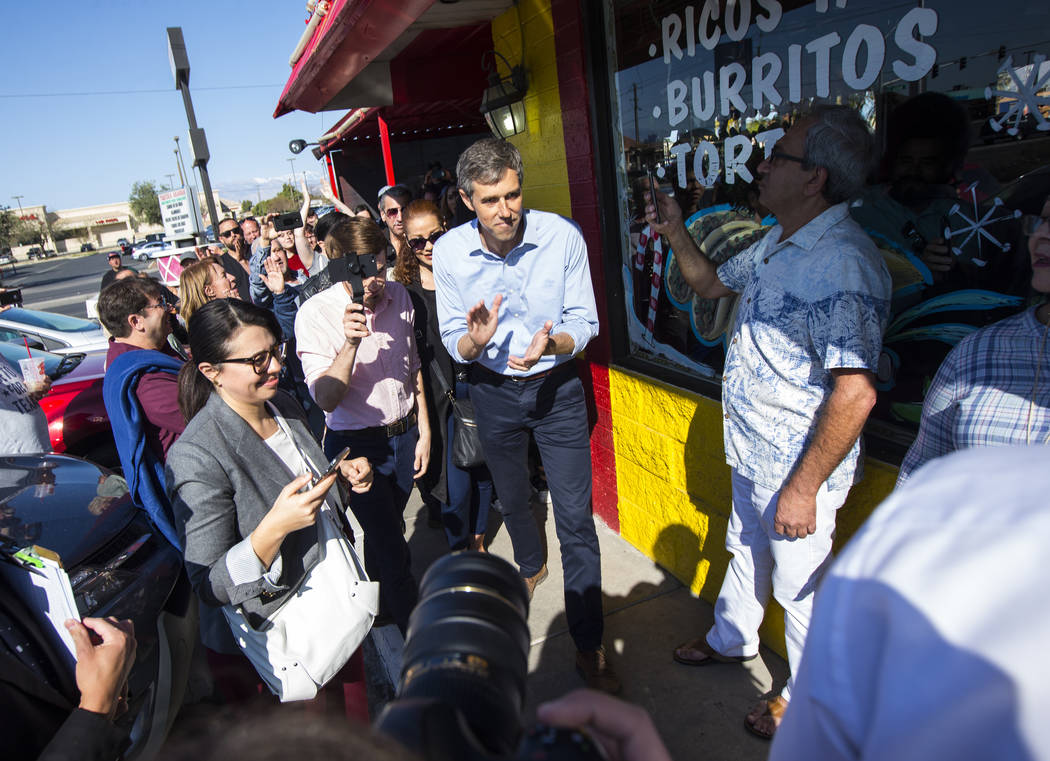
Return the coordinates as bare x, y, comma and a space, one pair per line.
353, 269
464, 667
287, 221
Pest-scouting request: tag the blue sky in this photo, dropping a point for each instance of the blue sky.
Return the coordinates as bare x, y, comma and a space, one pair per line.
66, 149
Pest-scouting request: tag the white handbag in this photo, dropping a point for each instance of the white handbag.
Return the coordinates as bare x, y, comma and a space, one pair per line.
318, 627
321, 623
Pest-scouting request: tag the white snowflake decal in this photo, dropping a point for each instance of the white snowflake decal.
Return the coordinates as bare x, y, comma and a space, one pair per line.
977, 226
1024, 96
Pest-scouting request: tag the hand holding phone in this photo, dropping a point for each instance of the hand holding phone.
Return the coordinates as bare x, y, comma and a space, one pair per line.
653, 187
332, 467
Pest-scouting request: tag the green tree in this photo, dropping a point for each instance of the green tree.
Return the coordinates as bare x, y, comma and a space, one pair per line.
144, 203
8, 225
246, 206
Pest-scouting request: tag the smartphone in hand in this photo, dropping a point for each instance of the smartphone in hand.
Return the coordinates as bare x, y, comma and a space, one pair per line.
653, 187
332, 466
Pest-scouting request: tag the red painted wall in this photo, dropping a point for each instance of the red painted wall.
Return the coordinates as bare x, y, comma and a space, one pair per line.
583, 192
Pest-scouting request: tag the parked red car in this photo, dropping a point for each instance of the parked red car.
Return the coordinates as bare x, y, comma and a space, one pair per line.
76, 414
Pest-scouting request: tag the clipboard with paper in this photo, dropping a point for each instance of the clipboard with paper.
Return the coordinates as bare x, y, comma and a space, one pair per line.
36, 575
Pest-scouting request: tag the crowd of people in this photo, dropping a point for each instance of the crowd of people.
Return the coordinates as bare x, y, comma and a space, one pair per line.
288, 345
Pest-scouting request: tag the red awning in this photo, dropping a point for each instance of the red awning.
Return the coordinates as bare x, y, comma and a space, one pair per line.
422, 75
351, 35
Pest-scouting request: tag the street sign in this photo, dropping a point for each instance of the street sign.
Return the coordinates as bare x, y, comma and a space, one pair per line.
181, 212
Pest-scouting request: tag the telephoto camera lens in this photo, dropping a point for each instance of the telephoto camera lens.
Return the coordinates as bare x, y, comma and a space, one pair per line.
465, 660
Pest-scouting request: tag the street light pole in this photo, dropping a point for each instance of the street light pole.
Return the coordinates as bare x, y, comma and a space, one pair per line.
184, 176
180, 69
292, 162
171, 180
21, 214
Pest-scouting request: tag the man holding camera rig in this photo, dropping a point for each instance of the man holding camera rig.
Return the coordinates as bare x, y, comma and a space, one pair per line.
798, 382
522, 377
357, 345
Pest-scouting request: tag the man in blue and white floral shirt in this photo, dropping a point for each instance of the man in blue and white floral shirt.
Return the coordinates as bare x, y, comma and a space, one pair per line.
798, 384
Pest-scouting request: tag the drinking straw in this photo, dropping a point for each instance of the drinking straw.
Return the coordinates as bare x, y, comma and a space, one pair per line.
27, 347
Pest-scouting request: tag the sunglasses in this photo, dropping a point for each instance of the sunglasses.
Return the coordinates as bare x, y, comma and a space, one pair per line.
418, 244
1030, 223
393, 212
776, 153
260, 362
231, 231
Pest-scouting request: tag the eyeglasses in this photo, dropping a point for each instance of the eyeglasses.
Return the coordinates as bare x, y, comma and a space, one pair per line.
393, 212
260, 362
162, 304
418, 244
231, 231
1030, 223
777, 153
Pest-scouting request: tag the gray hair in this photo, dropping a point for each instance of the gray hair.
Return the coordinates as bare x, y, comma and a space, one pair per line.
485, 162
839, 141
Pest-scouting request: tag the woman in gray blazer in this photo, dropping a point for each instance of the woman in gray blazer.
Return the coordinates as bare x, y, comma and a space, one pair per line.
236, 476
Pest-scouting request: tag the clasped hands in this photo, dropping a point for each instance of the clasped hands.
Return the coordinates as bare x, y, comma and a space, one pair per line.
481, 327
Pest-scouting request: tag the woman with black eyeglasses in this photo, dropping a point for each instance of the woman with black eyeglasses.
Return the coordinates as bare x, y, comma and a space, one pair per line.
461, 496
237, 477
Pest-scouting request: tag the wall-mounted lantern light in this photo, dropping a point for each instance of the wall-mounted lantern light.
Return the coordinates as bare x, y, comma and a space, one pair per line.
503, 102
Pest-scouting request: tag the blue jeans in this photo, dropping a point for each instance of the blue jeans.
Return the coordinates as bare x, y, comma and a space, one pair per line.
380, 512
553, 408
466, 513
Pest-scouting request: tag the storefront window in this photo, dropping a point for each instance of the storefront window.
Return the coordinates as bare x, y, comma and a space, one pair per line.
958, 92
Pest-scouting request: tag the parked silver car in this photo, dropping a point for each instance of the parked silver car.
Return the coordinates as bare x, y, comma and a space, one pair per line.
53, 332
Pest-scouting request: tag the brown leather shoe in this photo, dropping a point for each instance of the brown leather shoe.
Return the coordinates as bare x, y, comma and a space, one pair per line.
597, 672
531, 582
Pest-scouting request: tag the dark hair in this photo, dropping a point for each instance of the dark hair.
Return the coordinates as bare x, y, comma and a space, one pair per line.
212, 327
355, 235
930, 116
276, 734
123, 298
486, 161
327, 222
399, 193
406, 271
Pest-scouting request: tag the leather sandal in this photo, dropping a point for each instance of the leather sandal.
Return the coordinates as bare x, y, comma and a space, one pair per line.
710, 654
773, 708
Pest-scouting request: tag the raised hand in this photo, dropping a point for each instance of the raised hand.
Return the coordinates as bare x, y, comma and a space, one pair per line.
482, 322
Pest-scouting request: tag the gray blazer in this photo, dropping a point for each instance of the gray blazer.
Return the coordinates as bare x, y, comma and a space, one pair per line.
222, 479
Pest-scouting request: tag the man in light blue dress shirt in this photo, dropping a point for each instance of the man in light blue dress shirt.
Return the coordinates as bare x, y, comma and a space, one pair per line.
515, 300
798, 384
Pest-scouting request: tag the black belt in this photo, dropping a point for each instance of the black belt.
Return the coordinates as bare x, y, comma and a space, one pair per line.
484, 373
390, 431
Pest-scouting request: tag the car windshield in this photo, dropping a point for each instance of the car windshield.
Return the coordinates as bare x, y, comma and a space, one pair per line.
49, 320
55, 365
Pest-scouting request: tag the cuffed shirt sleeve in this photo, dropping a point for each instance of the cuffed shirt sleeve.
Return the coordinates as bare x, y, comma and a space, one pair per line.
939, 412
452, 313
579, 318
206, 516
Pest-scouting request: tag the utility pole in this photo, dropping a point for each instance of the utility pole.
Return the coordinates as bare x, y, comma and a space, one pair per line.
184, 176
292, 162
21, 214
180, 70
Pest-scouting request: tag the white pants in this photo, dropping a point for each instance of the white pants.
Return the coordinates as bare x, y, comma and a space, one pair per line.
763, 559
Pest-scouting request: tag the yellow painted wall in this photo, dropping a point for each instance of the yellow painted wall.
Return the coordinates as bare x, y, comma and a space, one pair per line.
542, 148
674, 485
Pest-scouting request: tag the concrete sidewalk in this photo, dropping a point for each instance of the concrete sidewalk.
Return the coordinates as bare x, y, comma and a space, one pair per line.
698, 711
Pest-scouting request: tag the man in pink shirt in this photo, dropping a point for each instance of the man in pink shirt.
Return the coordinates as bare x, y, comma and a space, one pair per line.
358, 351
